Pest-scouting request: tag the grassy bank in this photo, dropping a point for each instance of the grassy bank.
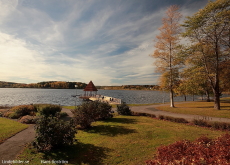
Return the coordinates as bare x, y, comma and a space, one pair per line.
9, 128
120, 140
200, 108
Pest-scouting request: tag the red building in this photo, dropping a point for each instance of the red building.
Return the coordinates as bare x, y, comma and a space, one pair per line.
90, 91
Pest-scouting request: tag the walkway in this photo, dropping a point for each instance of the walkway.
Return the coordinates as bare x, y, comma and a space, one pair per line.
14, 145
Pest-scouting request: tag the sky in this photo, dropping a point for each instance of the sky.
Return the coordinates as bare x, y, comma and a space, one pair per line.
106, 41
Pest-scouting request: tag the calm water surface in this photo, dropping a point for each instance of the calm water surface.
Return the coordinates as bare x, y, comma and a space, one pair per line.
20, 96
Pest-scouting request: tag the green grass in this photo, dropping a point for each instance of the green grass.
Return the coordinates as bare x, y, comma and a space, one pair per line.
9, 128
69, 107
121, 140
200, 108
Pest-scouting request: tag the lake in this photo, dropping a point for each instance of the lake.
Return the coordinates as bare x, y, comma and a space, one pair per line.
20, 96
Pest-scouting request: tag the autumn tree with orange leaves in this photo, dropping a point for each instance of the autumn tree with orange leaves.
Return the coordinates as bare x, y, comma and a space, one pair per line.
166, 52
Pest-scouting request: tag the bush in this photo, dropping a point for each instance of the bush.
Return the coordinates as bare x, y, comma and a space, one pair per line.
175, 119
161, 117
124, 109
28, 119
201, 122
49, 110
104, 110
21, 110
53, 133
12, 115
143, 114
63, 114
85, 114
220, 125
89, 112
201, 151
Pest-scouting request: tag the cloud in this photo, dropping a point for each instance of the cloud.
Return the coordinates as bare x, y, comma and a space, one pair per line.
17, 59
108, 42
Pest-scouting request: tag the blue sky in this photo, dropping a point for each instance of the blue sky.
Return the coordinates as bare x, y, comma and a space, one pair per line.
106, 41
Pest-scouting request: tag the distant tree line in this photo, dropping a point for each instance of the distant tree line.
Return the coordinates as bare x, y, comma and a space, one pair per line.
130, 87
45, 84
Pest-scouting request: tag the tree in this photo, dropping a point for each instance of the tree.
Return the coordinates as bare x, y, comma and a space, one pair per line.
166, 46
209, 31
193, 82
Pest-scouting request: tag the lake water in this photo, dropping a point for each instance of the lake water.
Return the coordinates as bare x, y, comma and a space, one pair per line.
20, 96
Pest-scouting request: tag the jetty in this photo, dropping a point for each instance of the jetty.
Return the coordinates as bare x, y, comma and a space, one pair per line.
90, 94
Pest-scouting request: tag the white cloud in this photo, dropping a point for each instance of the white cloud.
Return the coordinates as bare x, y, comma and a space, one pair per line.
89, 40
17, 60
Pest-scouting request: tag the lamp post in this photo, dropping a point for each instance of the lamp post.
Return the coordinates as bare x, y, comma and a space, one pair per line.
76, 97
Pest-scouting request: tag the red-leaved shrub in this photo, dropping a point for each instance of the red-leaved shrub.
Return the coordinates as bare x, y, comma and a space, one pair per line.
201, 151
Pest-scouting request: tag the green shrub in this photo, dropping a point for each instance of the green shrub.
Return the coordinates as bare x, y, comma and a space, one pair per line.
124, 109
53, 133
89, 112
104, 110
49, 110
85, 114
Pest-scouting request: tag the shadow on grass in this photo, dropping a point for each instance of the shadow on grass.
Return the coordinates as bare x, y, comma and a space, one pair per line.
121, 120
205, 107
79, 153
110, 130
222, 107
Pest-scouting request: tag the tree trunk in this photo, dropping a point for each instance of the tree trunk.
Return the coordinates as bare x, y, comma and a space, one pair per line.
217, 98
208, 97
185, 99
171, 99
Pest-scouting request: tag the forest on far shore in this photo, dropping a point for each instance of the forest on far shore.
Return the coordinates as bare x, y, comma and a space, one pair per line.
71, 85
45, 84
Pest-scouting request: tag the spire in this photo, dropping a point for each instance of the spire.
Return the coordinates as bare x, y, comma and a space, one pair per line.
90, 87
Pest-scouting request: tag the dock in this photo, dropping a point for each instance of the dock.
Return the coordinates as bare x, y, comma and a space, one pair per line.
91, 94
101, 98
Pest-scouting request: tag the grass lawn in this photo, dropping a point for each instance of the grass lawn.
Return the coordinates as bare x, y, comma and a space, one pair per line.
9, 127
200, 108
124, 140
